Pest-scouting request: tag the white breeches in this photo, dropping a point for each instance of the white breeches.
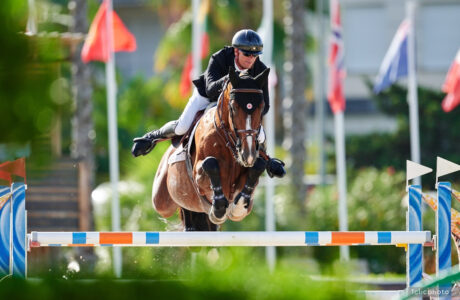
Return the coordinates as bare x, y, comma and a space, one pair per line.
194, 105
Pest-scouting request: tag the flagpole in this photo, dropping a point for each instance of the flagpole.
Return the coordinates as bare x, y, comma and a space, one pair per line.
196, 39
267, 56
319, 103
113, 137
337, 78
342, 179
412, 96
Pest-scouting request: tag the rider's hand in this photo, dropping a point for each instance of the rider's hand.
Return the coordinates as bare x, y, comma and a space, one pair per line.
142, 146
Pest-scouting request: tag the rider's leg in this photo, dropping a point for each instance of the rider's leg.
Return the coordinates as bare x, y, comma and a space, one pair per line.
143, 145
274, 166
194, 105
147, 142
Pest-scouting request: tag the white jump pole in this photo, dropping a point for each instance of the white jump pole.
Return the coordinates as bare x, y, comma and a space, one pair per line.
216, 239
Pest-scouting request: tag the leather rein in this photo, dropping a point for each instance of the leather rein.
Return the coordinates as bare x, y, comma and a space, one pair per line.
231, 137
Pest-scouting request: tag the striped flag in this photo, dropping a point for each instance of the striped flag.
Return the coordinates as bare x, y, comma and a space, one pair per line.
452, 86
395, 63
336, 62
185, 85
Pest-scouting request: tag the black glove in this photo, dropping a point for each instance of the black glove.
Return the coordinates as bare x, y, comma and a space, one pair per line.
275, 167
142, 146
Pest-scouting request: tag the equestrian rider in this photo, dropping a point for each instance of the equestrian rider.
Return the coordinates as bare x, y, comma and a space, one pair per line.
243, 55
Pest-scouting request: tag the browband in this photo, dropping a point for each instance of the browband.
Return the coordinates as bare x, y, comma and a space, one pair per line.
246, 91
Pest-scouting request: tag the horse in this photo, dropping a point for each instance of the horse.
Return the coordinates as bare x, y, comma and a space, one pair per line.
224, 163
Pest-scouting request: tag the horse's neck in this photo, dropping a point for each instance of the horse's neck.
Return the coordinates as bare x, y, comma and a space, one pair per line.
223, 109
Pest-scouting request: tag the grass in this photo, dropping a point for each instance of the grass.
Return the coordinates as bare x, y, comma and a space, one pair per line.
229, 273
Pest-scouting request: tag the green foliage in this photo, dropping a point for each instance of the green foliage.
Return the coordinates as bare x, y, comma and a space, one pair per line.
224, 273
28, 67
141, 108
374, 204
438, 133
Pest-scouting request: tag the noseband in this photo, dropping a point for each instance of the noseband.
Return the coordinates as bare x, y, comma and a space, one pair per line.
232, 139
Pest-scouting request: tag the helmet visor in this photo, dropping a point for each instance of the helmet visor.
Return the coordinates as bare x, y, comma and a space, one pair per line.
250, 49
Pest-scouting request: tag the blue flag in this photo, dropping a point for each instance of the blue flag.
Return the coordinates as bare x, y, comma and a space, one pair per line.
394, 63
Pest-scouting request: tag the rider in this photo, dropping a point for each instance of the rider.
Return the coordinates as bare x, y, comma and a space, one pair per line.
243, 55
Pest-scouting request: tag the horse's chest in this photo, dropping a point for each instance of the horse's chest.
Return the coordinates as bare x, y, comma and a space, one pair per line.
236, 177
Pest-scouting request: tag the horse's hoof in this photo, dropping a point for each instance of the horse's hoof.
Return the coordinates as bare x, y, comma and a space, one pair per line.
238, 209
216, 220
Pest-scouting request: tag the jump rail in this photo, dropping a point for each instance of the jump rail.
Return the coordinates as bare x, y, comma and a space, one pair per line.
216, 239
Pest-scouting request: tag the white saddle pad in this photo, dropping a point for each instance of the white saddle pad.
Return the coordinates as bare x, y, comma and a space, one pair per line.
178, 155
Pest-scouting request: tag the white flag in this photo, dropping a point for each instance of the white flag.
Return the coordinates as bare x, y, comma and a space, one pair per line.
444, 167
414, 170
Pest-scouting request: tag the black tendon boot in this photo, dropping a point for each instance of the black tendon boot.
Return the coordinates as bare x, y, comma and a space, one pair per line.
143, 145
274, 166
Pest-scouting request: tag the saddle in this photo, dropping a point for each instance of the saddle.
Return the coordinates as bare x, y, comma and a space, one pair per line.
181, 142
184, 140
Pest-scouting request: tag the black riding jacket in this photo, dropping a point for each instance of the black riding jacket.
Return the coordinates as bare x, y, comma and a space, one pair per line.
211, 82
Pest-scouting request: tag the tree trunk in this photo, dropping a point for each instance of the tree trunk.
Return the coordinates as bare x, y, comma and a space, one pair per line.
83, 133
295, 105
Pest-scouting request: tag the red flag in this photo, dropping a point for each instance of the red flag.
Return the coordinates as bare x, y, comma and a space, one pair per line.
96, 44
185, 81
452, 86
336, 67
17, 167
5, 176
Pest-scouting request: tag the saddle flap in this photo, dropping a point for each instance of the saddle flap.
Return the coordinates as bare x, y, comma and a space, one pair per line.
188, 135
178, 155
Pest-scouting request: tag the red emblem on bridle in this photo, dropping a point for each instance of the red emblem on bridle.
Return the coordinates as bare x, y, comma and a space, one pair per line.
249, 106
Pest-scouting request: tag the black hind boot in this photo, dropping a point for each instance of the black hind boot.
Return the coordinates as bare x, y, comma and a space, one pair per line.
143, 145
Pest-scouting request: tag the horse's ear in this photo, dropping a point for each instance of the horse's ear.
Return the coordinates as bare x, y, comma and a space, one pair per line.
262, 78
233, 76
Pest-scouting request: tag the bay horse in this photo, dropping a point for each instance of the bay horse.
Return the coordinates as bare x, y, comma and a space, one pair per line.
223, 162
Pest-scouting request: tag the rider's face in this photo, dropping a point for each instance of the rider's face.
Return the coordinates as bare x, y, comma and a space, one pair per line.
243, 61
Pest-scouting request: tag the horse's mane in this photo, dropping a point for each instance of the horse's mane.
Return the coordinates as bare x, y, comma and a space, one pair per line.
227, 90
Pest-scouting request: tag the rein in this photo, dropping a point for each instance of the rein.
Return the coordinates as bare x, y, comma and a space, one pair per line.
233, 142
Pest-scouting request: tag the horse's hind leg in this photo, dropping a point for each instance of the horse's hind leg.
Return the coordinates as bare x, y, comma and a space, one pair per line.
242, 204
195, 221
217, 215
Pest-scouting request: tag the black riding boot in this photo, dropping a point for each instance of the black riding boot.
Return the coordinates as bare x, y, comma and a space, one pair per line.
274, 166
143, 145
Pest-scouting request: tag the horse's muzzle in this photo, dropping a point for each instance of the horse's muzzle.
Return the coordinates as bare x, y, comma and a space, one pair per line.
247, 158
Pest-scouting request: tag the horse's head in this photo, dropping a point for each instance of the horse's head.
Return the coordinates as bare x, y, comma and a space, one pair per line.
245, 102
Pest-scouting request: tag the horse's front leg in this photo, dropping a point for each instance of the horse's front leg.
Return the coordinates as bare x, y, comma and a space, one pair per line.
243, 201
217, 214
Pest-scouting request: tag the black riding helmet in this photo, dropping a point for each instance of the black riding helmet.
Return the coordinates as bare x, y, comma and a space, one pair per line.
248, 40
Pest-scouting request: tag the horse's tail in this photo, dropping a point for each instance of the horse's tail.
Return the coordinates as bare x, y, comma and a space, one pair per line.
195, 221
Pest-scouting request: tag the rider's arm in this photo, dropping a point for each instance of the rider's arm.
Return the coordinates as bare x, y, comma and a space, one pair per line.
215, 77
266, 99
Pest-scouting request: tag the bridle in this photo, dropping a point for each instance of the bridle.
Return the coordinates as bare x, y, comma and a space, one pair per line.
231, 137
